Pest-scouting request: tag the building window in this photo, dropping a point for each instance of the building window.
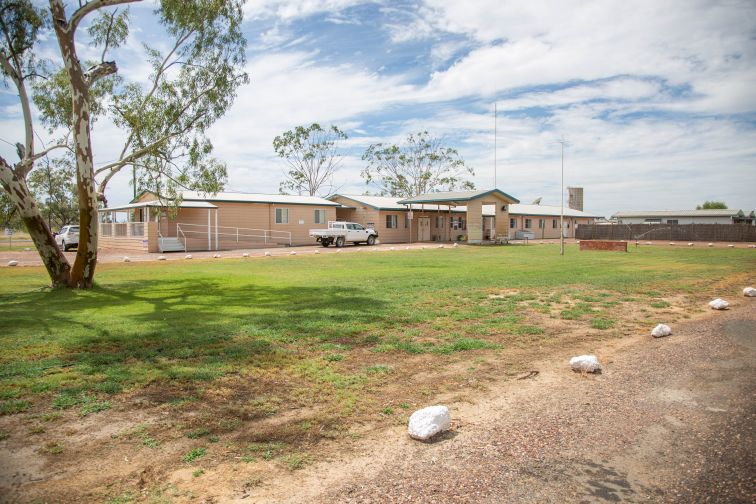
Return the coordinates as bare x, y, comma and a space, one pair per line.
320, 216
511, 223
541, 223
282, 215
439, 221
457, 223
553, 223
392, 222
653, 221
671, 221
528, 223
371, 225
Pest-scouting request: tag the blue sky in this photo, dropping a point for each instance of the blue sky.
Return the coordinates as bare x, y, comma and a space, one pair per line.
657, 99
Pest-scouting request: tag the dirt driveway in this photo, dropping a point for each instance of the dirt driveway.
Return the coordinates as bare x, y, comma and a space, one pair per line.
669, 420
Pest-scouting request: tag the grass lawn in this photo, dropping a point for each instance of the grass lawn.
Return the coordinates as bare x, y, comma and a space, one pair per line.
336, 339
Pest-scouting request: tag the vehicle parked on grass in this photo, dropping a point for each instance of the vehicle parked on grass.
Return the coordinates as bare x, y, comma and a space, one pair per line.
68, 237
339, 233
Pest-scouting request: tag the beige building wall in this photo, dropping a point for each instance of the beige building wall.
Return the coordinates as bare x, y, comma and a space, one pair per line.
549, 231
474, 221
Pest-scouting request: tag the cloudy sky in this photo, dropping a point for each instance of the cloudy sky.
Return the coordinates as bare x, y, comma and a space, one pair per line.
657, 99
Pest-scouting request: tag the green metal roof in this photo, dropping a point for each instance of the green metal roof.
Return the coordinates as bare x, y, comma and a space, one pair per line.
451, 197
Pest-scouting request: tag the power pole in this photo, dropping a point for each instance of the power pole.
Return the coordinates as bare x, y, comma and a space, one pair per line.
563, 142
495, 121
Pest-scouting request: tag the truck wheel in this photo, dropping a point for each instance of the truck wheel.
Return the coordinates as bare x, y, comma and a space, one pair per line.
371, 240
325, 243
340, 241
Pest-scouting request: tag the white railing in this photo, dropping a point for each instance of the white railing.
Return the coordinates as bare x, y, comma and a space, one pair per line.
232, 234
123, 229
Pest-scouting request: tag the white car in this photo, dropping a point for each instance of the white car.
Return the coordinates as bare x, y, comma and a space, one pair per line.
68, 237
342, 232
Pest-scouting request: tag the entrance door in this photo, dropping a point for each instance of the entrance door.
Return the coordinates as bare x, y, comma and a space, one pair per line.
423, 229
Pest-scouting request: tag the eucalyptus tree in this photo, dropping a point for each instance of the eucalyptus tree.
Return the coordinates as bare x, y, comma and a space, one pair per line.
313, 157
191, 84
421, 165
53, 184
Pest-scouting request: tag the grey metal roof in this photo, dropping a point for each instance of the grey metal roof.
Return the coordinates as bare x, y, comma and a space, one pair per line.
452, 197
158, 204
728, 212
550, 210
386, 202
238, 197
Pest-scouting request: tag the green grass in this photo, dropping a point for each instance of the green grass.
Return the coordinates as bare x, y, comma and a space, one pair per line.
194, 454
190, 323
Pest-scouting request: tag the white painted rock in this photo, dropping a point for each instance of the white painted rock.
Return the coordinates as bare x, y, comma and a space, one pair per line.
27, 249
731, 246
392, 248
245, 254
710, 244
293, 252
719, 304
690, 244
661, 330
188, 256
749, 292
338, 251
267, 254
671, 243
406, 248
161, 258
649, 243
456, 245
317, 251
427, 422
216, 256
585, 363
126, 259
12, 263
440, 246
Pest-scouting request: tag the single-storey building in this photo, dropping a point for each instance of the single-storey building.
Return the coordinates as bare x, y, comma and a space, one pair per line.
714, 216
442, 222
542, 221
222, 221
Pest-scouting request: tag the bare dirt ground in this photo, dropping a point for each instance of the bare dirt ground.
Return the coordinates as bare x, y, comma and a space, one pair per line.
669, 420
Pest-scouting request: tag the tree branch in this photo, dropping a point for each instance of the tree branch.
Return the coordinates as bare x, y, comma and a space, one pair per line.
88, 8
100, 70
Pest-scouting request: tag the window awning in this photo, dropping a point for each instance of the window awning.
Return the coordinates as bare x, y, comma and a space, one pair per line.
158, 204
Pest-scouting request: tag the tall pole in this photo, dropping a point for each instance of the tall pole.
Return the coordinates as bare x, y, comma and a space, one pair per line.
561, 217
495, 145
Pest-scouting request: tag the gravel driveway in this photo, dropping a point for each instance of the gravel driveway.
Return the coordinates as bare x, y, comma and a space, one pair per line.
669, 420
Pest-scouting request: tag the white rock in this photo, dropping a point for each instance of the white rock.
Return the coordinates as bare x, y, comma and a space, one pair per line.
12, 263
690, 244
671, 243
585, 363
338, 251
188, 256
317, 251
392, 248
161, 258
710, 244
719, 304
216, 256
245, 254
661, 330
427, 422
455, 245
749, 292
731, 246
649, 243
126, 259
406, 248
267, 254
293, 252
440, 246
27, 249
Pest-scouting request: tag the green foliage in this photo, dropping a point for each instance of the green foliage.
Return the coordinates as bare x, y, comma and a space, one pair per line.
423, 164
312, 155
20, 23
712, 205
194, 454
54, 187
13, 406
602, 323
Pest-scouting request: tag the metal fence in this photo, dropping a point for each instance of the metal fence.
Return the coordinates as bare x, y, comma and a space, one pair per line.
668, 232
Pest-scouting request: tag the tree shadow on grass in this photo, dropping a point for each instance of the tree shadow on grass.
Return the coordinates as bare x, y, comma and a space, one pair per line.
189, 329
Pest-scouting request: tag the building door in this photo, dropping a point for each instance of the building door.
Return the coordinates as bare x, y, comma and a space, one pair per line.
423, 229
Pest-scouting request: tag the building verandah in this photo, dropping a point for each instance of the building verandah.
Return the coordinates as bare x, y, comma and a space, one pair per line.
473, 202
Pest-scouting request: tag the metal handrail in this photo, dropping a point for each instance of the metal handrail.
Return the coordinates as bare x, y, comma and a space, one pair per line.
178, 230
237, 232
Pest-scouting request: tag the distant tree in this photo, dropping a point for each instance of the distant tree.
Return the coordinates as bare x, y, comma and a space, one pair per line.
312, 155
8, 213
192, 82
421, 165
54, 188
712, 205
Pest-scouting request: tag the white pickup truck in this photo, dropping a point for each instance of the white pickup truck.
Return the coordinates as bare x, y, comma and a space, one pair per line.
342, 232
